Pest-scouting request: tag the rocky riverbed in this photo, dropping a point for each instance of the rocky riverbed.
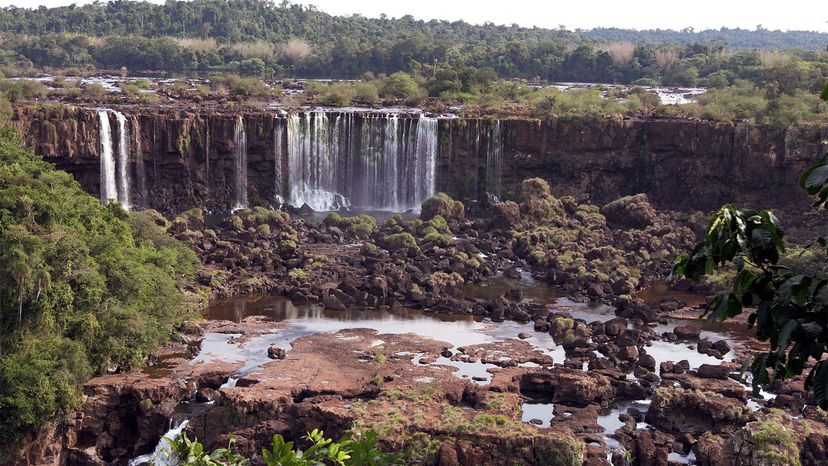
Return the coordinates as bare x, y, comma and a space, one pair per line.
538, 333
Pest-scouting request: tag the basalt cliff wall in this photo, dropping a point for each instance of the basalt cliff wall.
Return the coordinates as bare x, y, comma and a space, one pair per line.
180, 159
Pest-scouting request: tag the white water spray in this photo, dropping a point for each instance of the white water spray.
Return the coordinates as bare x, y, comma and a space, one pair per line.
163, 454
378, 162
240, 155
123, 160
109, 188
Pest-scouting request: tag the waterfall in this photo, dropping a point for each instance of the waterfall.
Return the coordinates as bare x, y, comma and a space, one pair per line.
123, 160
109, 189
494, 161
140, 168
278, 178
377, 162
240, 156
163, 455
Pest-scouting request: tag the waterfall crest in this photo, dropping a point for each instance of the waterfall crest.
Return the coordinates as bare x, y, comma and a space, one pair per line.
240, 157
368, 161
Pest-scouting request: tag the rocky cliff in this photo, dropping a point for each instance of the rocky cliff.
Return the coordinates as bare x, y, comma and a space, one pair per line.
183, 158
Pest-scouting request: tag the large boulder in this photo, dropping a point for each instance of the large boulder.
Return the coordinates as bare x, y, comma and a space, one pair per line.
695, 412
505, 215
537, 202
630, 212
443, 205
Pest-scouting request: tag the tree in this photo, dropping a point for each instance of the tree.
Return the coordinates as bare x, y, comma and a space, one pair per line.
788, 308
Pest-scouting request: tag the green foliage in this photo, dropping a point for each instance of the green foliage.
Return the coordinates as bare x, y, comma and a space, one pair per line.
15, 90
250, 86
191, 453
208, 34
400, 241
400, 85
85, 288
789, 305
345, 452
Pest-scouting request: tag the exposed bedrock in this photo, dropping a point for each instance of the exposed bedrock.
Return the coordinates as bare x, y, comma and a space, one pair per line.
183, 158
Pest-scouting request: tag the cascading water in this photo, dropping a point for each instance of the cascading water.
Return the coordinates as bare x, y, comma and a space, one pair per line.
240, 156
109, 188
377, 162
123, 160
164, 455
140, 168
115, 179
494, 161
278, 177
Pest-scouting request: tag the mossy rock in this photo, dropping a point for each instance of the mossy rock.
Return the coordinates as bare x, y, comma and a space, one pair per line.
400, 241
194, 219
443, 205
533, 188
332, 220
630, 211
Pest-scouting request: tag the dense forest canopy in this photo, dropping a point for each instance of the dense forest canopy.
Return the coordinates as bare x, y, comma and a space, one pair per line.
253, 36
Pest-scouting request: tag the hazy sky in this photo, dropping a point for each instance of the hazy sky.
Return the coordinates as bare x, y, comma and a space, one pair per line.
636, 14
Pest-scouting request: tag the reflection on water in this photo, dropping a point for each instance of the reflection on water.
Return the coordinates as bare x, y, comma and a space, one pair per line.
305, 319
657, 290
499, 284
538, 411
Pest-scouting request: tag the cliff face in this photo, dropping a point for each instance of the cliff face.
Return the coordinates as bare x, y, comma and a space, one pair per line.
181, 159
680, 164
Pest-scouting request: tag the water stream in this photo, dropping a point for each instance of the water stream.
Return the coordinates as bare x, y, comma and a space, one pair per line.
109, 188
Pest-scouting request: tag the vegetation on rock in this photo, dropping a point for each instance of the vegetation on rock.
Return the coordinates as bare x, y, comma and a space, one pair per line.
84, 289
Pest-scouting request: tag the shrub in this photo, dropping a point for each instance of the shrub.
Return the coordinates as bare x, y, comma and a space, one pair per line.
252, 87
400, 85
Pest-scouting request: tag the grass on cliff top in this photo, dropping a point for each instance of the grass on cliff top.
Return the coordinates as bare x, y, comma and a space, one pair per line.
84, 289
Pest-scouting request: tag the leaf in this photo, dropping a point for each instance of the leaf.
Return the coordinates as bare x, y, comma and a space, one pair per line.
785, 333
814, 178
818, 381
725, 306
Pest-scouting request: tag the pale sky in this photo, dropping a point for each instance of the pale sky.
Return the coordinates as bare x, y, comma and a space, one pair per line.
808, 15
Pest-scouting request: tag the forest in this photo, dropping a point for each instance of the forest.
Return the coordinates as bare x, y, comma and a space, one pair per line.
289, 40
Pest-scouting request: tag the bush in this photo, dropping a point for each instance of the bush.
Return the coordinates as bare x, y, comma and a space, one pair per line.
23, 89
400, 85
252, 66
251, 87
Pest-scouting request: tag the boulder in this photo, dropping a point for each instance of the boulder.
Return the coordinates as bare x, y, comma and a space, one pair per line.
274, 352
630, 211
505, 215
687, 332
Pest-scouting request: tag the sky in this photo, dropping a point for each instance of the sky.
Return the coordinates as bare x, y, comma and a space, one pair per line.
811, 15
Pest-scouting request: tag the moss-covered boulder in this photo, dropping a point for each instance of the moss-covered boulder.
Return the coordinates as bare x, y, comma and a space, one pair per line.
360, 226
537, 203
630, 211
443, 205
400, 241
505, 215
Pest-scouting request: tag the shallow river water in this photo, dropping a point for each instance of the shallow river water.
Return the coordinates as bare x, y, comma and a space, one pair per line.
456, 330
